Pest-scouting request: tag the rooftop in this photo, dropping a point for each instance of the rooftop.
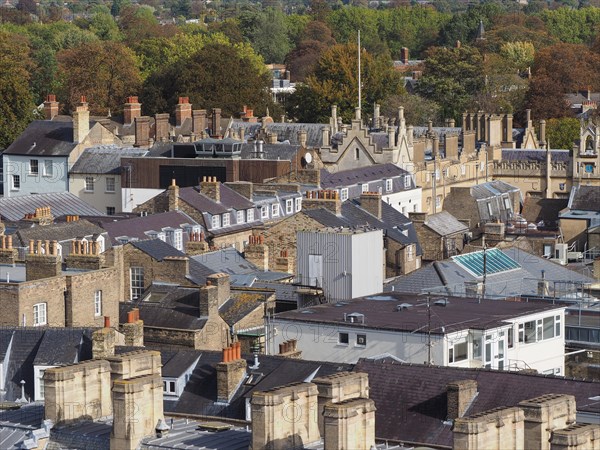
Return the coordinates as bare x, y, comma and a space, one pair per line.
44, 138
104, 159
360, 175
60, 203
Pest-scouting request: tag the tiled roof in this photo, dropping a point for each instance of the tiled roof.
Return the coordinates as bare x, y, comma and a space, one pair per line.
44, 138
534, 155
137, 227
58, 232
585, 198
104, 159
61, 204
415, 396
156, 248
183, 317
64, 346
360, 175
229, 199
175, 363
239, 306
491, 189
444, 224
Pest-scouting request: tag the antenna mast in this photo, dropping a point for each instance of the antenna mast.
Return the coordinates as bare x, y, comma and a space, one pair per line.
359, 82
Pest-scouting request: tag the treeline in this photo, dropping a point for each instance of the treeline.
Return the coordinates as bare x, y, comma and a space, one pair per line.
110, 51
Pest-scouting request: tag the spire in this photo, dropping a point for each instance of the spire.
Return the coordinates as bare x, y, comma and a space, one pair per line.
480, 31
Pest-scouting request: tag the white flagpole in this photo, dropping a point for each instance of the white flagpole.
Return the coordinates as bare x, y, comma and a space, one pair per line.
359, 83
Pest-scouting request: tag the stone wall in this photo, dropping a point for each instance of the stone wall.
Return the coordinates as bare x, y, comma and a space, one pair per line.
544, 414
496, 429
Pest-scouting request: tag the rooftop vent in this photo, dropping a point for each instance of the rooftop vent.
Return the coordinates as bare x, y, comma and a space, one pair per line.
354, 317
442, 302
402, 306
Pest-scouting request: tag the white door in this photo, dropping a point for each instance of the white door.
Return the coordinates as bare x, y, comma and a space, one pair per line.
495, 351
315, 270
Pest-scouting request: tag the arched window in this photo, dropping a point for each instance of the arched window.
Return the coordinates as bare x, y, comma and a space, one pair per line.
589, 144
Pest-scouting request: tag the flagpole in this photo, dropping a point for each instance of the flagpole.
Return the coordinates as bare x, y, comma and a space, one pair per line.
359, 82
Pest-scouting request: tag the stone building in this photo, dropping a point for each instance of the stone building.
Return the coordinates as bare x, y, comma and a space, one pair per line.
441, 235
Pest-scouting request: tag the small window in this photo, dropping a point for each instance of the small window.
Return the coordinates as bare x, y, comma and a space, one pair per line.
98, 303
365, 187
216, 221
458, 352
240, 216
110, 184
178, 239
275, 210
361, 339
298, 203
489, 208
510, 337
226, 218
463, 169
343, 338
89, 184
264, 212
16, 182
344, 194
39, 314
356, 153
110, 210
289, 206
250, 215
507, 204
48, 168
169, 387
388, 185
34, 168
557, 326
407, 180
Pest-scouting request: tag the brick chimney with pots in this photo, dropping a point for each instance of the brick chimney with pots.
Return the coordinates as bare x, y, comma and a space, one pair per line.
131, 110
8, 254
85, 255
327, 199
43, 260
371, 202
50, 107
81, 121
284, 262
104, 341
404, 55
257, 252
196, 244
231, 372
183, 111
198, 122
211, 188
215, 129
133, 329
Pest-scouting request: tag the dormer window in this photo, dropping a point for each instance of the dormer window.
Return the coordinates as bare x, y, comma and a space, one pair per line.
289, 206
226, 219
275, 210
250, 215
365, 187
240, 216
216, 221
388, 185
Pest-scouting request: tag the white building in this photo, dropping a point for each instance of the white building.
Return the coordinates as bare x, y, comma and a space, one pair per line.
346, 263
459, 332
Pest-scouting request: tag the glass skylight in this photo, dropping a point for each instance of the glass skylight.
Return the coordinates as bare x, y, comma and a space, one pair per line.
495, 262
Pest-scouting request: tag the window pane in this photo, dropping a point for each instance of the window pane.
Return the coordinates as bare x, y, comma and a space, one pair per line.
530, 331
460, 351
548, 327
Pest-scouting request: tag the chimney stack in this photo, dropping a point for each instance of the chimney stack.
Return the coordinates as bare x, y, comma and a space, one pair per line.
81, 121
161, 127
173, 194
349, 425
542, 133
211, 188
183, 111
196, 244
43, 260
8, 254
376, 108
257, 252
459, 395
50, 107
231, 372
104, 341
198, 121
131, 110
142, 131
133, 329
216, 123
371, 202
327, 199
214, 294
84, 255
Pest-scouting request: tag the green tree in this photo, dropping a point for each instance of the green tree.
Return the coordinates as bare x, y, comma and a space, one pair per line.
575, 26
451, 78
105, 72
16, 103
219, 75
267, 31
463, 27
562, 133
518, 54
103, 25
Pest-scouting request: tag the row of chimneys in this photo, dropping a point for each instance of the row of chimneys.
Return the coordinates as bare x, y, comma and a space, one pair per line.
6, 243
84, 248
43, 212
36, 246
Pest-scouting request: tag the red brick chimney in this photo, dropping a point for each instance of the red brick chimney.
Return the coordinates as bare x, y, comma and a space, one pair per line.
131, 110
50, 107
183, 111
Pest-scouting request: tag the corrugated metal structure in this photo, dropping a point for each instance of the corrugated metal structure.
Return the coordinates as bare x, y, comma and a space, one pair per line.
346, 263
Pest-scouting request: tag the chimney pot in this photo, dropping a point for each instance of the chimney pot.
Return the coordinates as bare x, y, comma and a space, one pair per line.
106, 322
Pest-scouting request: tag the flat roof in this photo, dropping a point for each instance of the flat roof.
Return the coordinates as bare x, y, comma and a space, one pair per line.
408, 312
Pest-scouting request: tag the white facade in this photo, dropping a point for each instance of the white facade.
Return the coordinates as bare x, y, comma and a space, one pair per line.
345, 263
404, 201
103, 192
26, 175
348, 341
133, 197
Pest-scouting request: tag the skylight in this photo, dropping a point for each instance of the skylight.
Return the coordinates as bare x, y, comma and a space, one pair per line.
495, 262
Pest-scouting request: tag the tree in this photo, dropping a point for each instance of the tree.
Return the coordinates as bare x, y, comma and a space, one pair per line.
105, 72
16, 104
267, 31
518, 55
562, 133
302, 60
335, 81
28, 6
417, 110
463, 27
104, 26
219, 75
451, 78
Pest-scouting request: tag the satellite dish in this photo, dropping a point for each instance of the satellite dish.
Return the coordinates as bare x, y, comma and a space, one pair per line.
308, 158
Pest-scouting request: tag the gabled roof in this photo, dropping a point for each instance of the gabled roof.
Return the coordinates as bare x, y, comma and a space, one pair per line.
444, 224
44, 138
61, 204
491, 189
360, 175
229, 199
105, 159
58, 232
64, 346
156, 248
137, 227
239, 305
416, 395
226, 260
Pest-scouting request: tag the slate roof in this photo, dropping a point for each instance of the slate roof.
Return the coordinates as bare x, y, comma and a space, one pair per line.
491, 189
380, 312
44, 138
58, 232
61, 204
360, 175
450, 277
64, 346
415, 396
444, 224
176, 363
585, 198
227, 260
16, 425
239, 305
156, 248
285, 131
229, 199
510, 154
105, 159
137, 227
543, 209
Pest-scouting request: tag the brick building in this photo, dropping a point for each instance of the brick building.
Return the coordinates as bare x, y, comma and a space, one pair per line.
441, 235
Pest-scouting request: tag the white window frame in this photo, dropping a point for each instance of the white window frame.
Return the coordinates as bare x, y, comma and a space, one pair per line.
136, 282
226, 219
216, 221
289, 206
250, 215
89, 184
407, 181
347, 335
389, 185
15, 182
507, 204
239, 216
344, 194
298, 203
98, 303
40, 314
275, 210
364, 187
359, 337
108, 185
264, 212
452, 351
167, 385
31, 167
178, 239
48, 168
489, 208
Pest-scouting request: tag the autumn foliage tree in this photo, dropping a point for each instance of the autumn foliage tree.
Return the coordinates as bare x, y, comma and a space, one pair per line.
105, 72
